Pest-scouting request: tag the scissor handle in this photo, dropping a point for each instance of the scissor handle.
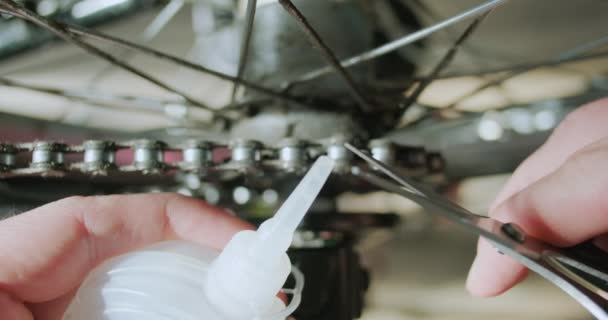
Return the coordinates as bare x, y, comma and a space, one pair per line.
590, 260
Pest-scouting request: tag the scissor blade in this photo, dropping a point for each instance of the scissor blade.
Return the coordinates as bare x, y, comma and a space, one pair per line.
384, 168
461, 217
411, 185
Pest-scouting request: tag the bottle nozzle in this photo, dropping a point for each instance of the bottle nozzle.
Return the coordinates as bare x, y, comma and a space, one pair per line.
276, 233
254, 265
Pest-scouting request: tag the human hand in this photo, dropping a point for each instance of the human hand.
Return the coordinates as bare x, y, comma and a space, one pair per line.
46, 253
559, 194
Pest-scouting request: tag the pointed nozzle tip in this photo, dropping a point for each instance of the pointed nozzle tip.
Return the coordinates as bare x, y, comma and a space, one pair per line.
280, 227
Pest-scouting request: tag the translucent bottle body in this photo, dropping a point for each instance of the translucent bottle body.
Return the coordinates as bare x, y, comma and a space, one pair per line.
162, 282
180, 281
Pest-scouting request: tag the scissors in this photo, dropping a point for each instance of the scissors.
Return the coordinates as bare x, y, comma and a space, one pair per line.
580, 271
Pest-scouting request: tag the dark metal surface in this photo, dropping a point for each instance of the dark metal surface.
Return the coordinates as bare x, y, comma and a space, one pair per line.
316, 40
345, 222
335, 283
405, 40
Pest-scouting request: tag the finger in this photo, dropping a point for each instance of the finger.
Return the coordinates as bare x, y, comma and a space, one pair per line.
582, 127
49, 250
52, 310
565, 208
568, 206
493, 273
12, 309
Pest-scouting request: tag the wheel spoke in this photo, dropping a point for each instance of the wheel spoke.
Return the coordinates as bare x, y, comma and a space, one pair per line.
327, 53
582, 49
244, 50
162, 19
404, 83
445, 61
81, 31
152, 30
476, 55
57, 29
96, 98
449, 33
401, 42
181, 62
557, 60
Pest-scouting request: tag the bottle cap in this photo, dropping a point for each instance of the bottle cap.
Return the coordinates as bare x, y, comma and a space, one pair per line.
246, 277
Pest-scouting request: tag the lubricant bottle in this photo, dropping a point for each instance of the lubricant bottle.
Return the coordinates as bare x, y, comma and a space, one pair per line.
181, 280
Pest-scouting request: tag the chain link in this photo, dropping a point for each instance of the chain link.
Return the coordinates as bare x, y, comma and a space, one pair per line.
99, 157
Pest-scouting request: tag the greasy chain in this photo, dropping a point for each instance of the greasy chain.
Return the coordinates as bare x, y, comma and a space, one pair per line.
98, 157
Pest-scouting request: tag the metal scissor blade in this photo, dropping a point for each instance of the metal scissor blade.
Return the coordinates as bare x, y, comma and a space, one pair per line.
482, 226
434, 203
538, 256
385, 169
410, 185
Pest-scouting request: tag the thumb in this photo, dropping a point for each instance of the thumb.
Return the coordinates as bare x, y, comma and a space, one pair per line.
564, 208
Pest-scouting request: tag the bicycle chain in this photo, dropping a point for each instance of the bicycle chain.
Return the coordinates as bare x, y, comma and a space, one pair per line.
98, 157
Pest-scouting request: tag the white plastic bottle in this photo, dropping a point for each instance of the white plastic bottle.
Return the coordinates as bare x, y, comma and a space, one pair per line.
178, 280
